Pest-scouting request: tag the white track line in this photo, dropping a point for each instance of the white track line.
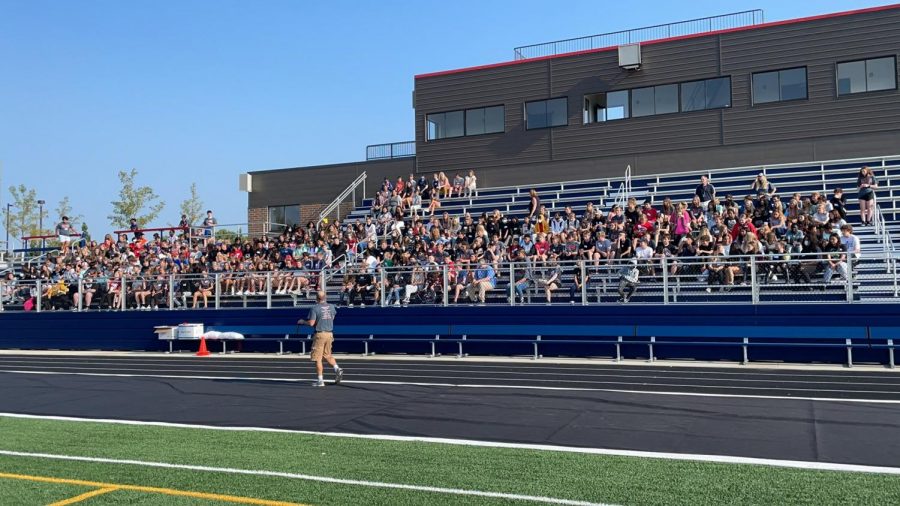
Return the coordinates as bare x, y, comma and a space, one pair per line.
370, 369
663, 367
723, 459
307, 477
502, 385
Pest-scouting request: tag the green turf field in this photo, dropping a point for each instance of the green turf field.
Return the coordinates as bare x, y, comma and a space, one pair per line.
557, 475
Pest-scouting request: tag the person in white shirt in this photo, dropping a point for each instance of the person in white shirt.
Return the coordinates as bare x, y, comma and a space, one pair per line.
851, 243
471, 184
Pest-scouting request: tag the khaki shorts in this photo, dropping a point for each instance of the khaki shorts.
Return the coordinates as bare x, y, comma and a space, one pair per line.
321, 345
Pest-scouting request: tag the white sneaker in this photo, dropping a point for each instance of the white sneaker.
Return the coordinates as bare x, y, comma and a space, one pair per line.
318, 383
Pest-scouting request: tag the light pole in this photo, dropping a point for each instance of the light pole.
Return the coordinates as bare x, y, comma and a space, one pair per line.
41, 220
8, 206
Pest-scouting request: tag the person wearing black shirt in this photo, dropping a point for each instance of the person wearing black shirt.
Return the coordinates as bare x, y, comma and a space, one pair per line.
705, 191
204, 289
835, 258
839, 202
361, 287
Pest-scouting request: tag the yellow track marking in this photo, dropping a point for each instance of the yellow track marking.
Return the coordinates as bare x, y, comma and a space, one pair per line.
151, 490
86, 495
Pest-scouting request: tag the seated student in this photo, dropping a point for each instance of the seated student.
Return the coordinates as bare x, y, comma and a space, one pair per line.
140, 290
485, 279
578, 282
204, 290
159, 292
550, 279
835, 259
365, 284
471, 184
86, 294
463, 278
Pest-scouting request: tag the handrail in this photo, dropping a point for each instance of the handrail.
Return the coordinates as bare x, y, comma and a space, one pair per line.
634, 35
145, 230
336, 203
391, 150
624, 189
611, 181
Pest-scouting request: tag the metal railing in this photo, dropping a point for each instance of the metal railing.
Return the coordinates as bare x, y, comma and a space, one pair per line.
635, 35
391, 150
780, 278
349, 191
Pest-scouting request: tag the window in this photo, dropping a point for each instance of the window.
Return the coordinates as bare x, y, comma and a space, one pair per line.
867, 75
281, 217
487, 120
707, 94
547, 113
602, 107
654, 100
445, 125
484, 120
779, 86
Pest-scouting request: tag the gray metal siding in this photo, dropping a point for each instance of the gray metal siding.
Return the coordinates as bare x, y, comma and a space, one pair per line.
320, 185
818, 45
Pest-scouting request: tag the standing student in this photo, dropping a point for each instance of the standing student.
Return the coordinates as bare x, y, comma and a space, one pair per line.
321, 316
866, 183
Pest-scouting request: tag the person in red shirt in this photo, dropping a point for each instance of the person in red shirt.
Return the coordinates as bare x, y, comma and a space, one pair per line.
541, 246
743, 222
649, 212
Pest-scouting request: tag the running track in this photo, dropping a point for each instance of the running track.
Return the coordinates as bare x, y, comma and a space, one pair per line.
837, 416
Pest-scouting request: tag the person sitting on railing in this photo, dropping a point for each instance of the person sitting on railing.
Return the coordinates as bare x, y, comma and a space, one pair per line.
717, 272
159, 292
485, 280
204, 289
549, 279
522, 277
140, 291
364, 285
776, 264
628, 280
835, 259
396, 284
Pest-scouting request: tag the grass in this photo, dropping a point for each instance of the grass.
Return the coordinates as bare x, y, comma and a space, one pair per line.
594, 478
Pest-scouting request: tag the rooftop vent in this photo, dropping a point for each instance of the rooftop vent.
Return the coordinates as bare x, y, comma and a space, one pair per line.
630, 56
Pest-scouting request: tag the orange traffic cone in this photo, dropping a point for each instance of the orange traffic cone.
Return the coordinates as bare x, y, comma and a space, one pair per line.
202, 352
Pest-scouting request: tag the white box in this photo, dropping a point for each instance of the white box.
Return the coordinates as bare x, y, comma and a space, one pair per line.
189, 331
165, 333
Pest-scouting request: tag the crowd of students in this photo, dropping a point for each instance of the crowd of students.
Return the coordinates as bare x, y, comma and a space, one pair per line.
409, 257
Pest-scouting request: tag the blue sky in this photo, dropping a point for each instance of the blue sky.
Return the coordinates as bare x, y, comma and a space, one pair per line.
201, 91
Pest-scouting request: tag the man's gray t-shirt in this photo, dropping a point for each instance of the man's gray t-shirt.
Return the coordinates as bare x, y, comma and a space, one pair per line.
324, 315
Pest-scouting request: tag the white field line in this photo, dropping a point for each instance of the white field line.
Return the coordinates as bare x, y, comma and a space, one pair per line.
500, 385
307, 477
723, 459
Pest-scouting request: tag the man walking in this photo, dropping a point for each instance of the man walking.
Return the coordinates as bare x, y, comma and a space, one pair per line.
321, 316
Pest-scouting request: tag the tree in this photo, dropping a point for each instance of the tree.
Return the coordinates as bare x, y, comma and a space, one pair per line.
25, 216
133, 201
192, 207
65, 209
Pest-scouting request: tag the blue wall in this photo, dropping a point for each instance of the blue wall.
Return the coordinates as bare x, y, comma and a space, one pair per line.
133, 330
